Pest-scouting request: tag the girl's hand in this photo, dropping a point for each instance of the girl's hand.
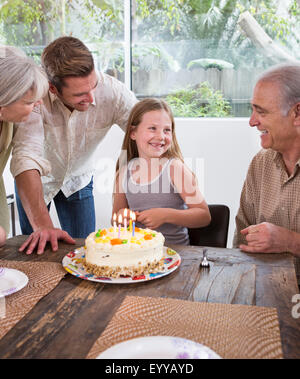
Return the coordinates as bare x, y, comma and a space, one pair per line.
152, 218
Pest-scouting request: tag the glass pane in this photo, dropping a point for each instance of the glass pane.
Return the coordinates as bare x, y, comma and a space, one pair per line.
204, 56
32, 24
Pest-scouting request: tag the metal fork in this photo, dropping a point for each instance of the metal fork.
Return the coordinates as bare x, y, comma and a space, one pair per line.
204, 262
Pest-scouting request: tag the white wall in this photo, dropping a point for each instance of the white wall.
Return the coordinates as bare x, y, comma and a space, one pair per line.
227, 147
218, 150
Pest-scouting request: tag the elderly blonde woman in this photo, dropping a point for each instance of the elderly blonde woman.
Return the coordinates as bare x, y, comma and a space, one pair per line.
22, 85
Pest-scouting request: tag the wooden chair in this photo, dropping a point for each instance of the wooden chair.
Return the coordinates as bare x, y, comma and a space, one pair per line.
216, 233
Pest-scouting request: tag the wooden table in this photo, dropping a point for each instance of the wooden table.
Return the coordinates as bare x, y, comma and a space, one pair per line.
80, 310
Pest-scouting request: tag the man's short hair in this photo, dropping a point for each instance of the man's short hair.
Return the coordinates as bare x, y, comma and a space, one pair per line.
66, 57
287, 76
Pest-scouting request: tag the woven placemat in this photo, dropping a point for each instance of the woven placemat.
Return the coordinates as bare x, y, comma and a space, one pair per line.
43, 277
232, 331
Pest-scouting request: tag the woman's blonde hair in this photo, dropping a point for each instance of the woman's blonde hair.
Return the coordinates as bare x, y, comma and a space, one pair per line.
135, 118
18, 75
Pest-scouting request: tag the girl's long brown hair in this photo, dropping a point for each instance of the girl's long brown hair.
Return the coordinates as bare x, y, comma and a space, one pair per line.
135, 118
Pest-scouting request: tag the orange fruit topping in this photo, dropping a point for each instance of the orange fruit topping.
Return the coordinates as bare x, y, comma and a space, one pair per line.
116, 241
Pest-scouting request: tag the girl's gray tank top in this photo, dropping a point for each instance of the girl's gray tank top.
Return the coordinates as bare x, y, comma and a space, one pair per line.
160, 193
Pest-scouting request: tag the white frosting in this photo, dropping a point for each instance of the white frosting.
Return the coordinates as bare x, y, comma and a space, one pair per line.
136, 252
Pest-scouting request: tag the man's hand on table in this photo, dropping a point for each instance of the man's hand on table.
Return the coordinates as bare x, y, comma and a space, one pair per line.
39, 238
268, 238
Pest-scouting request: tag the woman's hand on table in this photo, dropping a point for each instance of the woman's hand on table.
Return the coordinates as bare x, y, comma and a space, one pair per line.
2, 236
39, 238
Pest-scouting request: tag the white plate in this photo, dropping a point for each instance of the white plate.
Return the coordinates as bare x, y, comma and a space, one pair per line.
159, 347
72, 262
11, 281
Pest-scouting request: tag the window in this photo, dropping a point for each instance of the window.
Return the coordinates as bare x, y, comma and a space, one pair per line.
202, 56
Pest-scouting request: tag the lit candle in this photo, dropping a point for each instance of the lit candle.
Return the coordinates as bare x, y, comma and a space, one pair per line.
115, 224
130, 222
120, 222
125, 219
133, 223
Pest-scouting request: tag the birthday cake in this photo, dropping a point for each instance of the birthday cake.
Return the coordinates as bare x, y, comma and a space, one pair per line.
113, 255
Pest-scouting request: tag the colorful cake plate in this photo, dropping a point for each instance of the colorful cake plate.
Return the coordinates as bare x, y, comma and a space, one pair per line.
72, 263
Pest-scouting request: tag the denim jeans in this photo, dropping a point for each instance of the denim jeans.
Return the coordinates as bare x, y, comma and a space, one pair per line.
76, 213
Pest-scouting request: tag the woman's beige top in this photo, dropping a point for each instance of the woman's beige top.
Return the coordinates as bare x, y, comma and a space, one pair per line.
6, 135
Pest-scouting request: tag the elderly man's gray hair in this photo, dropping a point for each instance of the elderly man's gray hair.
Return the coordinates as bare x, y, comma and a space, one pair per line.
288, 78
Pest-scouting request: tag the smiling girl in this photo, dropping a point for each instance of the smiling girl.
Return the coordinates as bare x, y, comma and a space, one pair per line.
152, 179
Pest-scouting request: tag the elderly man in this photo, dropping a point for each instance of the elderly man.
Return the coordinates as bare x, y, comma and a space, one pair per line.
65, 132
268, 219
